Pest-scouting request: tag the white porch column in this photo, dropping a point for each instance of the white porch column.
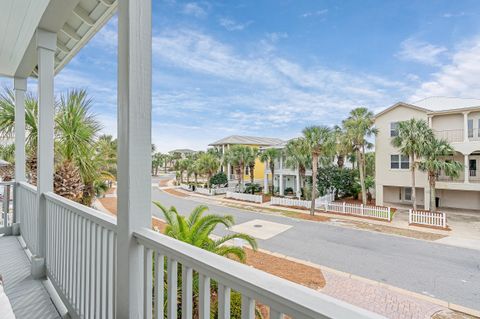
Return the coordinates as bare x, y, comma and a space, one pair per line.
466, 170
265, 178
465, 126
229, 171
46, 46
426, 197
134, 148
20, 86
430, 121
297, 183
280, 178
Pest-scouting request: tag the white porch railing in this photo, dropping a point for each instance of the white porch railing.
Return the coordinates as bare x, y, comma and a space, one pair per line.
81, 263
219, 274
319, 202
454, 135
80, 257
360, 210
422, 217
245, 197
27, 213
6, 213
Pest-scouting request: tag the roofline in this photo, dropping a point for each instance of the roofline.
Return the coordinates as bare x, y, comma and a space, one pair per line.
388, 109
453, 111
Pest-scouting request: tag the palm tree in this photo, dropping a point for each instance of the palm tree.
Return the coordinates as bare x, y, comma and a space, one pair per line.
269, 156
197, 228
319, 140
208, 164
343, 146
156, 162
359, 127
251, 166
433, 162
76, 133
298, 156
411, 139
7, 154
239, 156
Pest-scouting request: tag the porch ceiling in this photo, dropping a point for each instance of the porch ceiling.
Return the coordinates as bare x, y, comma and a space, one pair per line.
74, 21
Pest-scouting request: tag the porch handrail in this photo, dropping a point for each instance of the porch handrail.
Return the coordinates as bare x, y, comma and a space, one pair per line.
282, 296
27, 213
81, 257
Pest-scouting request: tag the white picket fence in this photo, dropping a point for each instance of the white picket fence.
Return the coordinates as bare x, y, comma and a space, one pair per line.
205, 191
185, 187
223, 190
360, 210
423, 217
319, 202
245, 197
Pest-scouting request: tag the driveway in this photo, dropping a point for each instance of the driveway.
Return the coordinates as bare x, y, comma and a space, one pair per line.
437, 270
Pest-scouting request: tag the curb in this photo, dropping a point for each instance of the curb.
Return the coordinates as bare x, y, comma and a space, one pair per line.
436, 301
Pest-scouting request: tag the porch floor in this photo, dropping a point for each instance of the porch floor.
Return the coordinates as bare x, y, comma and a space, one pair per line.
28, 297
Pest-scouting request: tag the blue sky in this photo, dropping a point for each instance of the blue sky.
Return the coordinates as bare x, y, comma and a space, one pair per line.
270, 68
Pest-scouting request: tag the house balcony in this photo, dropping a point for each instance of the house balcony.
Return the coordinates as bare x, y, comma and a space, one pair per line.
81, 263
458, 135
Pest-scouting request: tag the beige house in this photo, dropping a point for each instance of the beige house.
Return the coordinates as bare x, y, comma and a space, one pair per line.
454, 119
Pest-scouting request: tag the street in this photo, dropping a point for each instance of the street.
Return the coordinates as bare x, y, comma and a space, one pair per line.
436, 270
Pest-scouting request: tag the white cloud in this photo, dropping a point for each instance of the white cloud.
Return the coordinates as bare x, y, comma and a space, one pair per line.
194, 9
421, 52
315, 13
458, 78
232, 25
261, 91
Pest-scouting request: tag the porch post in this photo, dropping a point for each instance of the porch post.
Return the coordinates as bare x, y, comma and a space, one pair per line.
265, 178
466, 170
297, 183
134, 150
280, 178
46, 46
20, 86
465, 126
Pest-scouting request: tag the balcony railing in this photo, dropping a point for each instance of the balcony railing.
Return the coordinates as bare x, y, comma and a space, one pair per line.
7, 217
81, 263
455, 135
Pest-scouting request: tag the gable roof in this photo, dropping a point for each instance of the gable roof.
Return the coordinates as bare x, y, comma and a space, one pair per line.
388, 109
247, 140
436, 104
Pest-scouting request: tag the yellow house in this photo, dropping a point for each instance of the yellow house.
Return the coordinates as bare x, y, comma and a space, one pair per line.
225, 143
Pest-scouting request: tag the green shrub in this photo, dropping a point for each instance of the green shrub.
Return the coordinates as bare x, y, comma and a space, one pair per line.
252, 188
288, 190
342, 179
219, 179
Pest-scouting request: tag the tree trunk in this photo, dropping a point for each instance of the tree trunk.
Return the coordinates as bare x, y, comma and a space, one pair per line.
196, 179
340, 160
314, 183
414, 192
431, 179
272, 170
362, 177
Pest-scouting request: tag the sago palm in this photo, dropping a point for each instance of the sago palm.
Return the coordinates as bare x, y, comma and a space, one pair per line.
319, 140
269, 156
359, 126
197, 228
411, 140
433, 162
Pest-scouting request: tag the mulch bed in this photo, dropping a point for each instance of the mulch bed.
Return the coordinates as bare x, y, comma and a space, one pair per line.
399, 231
175, 192
163, 182
431, 227
316, 218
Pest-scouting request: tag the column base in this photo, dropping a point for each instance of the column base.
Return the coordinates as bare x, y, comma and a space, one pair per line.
38, 267
16, 229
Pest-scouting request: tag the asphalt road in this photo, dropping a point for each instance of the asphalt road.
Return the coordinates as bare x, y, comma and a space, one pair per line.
441, 271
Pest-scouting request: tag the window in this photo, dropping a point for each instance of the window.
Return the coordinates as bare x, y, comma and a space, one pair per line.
407, 193
399, 161
470, 128
394, 129
472, 167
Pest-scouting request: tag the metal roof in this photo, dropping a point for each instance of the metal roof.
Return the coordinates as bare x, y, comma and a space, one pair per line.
247, 140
